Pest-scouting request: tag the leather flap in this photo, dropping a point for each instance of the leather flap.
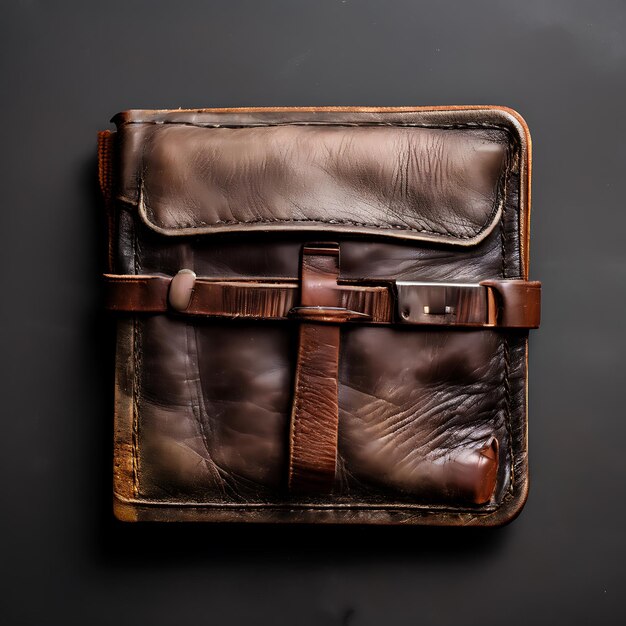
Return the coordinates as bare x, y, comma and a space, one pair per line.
406, 181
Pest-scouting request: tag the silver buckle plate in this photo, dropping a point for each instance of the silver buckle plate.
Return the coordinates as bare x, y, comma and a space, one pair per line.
442, 303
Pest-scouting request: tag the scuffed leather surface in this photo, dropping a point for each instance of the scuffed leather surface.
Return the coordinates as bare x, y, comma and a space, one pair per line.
213, 399
214, 407
412, 400
439, 183
315, 412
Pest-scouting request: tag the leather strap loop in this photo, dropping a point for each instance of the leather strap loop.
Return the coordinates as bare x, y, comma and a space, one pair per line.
136, 293
315, 411
518, 302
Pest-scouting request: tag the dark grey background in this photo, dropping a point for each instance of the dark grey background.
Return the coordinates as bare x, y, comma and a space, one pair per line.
66, 68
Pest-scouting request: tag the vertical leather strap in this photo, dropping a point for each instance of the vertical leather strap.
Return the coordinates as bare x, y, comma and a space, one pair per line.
315, 412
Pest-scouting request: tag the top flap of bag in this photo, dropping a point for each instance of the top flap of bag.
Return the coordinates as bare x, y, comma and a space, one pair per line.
413, 174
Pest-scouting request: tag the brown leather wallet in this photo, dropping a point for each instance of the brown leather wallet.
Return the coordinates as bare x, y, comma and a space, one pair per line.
322, 313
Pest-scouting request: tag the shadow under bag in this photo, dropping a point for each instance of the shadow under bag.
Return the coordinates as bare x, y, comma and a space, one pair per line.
322, 313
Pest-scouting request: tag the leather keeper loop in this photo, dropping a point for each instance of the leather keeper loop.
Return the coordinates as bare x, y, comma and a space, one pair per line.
518, 302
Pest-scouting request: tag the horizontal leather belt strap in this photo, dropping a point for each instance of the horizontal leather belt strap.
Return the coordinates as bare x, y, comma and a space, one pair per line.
491, 303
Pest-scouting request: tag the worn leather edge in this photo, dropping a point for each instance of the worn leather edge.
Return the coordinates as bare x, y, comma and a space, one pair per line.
129, 511
134, 116
124, 421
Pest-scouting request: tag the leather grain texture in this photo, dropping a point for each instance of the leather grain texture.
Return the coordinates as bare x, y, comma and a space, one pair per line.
431, 423
315, 175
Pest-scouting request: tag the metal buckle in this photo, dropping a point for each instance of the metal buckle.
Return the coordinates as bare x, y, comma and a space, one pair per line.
443, 303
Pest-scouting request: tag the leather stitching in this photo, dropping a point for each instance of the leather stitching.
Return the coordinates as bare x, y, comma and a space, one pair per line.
295, 417
505, 342
434, 509
135, 388
460, 125
137, 362
507, 411
333, 222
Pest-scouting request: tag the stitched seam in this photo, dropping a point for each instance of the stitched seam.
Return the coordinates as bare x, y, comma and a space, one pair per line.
289, 506
507, 411
505, 342
135, 434
295, 416
475, 233
135, 385
504, 183
332, 222
459, 125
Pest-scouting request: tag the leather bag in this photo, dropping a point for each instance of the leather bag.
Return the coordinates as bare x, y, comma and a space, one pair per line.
322, 313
